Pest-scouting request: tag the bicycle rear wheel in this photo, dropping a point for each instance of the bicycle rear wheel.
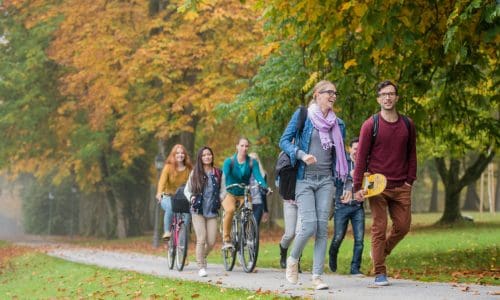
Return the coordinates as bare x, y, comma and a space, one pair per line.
182, 245
229, 254
249, 242
171, 250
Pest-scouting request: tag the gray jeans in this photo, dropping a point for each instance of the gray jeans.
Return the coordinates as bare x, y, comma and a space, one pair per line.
314, 197
292, 223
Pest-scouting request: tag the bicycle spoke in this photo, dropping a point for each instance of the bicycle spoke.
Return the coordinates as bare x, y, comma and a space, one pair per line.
182, 245
249, 243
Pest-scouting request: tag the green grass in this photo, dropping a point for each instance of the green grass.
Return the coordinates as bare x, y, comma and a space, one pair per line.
467, 252
36, 275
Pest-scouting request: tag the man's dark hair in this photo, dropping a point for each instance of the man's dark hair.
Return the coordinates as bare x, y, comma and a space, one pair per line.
383, 84
354, 140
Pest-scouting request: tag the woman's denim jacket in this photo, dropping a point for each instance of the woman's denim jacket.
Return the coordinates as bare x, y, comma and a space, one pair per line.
302, 142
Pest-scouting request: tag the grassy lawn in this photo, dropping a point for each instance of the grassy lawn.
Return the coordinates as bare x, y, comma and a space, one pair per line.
32, 275
468, 252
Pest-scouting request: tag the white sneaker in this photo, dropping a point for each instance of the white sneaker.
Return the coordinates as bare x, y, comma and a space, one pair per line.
318, 283
292, 270
227, 245
202, 272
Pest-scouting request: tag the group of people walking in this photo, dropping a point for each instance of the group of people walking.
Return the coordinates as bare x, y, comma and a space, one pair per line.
204, 191
328, 179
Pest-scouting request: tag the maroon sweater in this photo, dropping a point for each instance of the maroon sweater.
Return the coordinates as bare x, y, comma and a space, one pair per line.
389, 155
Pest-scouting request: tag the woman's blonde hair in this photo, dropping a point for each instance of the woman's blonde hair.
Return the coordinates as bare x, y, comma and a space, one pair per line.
319, 86
261, 167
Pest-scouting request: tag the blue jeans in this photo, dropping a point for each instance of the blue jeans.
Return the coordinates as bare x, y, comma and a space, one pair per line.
344, 213
314, 197
258, 211
166, 204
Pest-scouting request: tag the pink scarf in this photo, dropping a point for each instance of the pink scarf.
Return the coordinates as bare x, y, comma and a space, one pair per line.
324, 125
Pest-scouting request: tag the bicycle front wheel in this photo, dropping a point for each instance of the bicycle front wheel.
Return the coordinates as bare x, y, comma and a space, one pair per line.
249, 242
182, 245
229, 254
171, 251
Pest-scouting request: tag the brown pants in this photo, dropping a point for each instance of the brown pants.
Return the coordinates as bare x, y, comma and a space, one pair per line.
229, 205
206, 233
398, 202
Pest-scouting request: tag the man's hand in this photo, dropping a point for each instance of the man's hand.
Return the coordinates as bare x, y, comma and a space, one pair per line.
309, 159
346, 197
158, 197
360, 195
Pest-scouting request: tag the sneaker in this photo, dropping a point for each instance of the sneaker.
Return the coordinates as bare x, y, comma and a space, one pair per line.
292, 270
381, 280
357, 273
167, 235
318, 283
227, 245
202, 272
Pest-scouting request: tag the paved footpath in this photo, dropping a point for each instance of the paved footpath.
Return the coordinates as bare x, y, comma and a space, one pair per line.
341, 286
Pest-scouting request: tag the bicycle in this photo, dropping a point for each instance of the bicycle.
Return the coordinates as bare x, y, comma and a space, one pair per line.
178, 242
244, 235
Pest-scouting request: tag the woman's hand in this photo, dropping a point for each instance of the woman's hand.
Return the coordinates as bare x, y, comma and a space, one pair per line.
309, 159
158, 197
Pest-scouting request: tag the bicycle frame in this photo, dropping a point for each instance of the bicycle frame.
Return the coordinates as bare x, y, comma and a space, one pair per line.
178, 243
244, 235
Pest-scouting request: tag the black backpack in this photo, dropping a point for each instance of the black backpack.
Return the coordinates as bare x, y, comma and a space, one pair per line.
284, 171
180, 204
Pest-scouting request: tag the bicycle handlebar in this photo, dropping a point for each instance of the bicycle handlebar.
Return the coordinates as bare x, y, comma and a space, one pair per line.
240, 185
244, 186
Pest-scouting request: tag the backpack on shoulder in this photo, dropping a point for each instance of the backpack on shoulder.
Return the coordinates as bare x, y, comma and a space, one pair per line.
284, 171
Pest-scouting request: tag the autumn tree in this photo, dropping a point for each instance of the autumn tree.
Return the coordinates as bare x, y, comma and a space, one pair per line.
123, 75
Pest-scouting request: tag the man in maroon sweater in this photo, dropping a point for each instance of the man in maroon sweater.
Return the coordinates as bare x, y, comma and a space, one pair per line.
392, 154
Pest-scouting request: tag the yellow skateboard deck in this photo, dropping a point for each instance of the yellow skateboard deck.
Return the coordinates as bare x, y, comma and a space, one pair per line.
373, 184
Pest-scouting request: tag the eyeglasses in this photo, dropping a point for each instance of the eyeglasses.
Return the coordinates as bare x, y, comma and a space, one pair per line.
383, 95
330, 93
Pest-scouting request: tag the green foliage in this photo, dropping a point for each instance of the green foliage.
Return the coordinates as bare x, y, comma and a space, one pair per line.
28, 96
442, 55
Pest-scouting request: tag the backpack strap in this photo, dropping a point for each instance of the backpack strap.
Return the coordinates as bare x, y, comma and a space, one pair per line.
372, 140
302, 119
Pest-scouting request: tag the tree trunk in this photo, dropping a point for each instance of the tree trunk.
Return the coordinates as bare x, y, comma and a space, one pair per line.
453, 184
187, 140
497, 192
471, 198
434, 191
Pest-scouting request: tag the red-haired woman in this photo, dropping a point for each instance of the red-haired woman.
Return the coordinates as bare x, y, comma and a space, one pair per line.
175, 173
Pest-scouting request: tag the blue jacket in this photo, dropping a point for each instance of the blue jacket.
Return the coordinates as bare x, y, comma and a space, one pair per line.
302, 142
